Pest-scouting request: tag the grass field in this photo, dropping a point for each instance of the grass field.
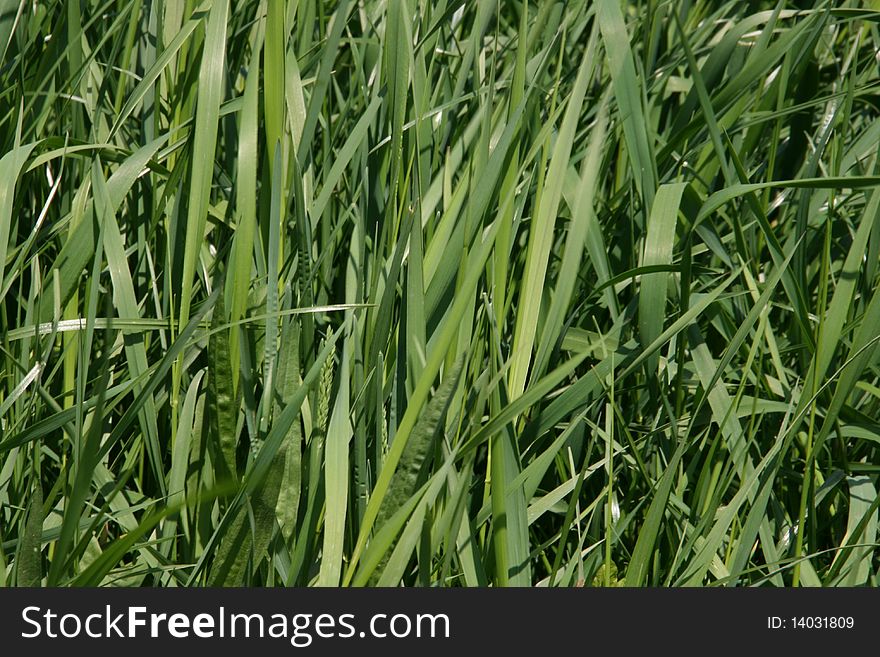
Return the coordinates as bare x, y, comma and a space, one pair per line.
485, 293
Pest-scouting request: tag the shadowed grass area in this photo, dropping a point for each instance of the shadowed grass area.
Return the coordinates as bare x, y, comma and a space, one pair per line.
481, 293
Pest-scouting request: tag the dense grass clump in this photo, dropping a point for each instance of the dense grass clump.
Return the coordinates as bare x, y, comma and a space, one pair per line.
439, 293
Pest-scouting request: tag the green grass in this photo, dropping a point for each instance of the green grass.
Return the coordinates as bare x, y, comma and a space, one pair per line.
439, 294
